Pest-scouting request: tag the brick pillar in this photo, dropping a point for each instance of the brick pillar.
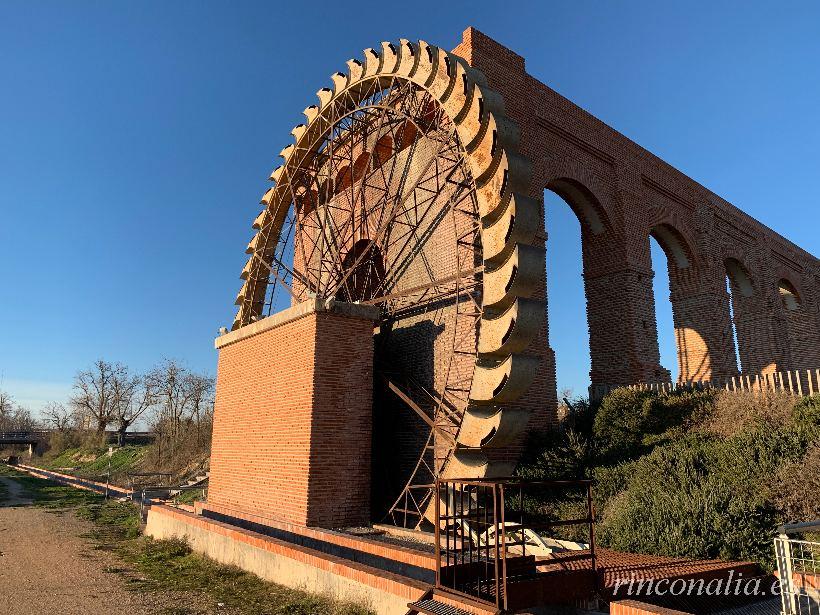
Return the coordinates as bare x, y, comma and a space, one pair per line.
703, 324
293, 416
623, 333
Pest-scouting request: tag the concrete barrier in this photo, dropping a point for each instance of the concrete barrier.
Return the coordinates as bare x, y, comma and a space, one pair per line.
285, 563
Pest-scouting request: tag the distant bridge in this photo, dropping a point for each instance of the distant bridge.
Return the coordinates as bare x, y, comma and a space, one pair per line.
33, 437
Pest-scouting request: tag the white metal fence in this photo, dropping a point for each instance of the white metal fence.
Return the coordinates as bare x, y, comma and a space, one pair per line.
798, 566
800, 383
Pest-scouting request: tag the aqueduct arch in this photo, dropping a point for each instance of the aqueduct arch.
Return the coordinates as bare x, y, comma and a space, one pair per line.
641, 191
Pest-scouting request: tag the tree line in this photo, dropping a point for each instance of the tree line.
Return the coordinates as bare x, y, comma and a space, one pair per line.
14, 417
110, 396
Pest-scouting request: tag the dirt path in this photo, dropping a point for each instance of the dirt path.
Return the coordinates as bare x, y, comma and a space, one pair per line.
47, 567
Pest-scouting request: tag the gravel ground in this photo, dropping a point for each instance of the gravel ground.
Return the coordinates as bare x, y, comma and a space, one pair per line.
48, 567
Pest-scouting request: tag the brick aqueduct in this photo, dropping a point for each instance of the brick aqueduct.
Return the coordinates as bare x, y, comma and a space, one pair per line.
623, 194
275, 413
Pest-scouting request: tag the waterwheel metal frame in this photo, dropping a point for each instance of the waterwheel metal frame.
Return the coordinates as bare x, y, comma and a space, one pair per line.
511, 269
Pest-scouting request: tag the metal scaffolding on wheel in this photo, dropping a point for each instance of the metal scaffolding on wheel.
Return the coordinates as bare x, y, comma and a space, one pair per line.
405, 190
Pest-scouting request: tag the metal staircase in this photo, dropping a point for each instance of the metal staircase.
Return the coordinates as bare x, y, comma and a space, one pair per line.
197, 481
438, 602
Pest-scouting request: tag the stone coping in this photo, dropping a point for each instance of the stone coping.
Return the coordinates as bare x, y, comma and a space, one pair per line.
311, 306
398, 553
398, 585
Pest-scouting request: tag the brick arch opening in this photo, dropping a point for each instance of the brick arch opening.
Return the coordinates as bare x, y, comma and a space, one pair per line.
798, 329
364, 265
740, 289
577, 235
568, 318
690, 297
674, 245
667, 257
582, 201
739, 279
788, 295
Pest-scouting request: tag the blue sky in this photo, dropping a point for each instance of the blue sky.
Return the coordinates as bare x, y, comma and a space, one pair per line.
136, 139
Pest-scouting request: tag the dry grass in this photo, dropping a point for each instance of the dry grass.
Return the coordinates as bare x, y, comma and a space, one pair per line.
796, 487
736, 412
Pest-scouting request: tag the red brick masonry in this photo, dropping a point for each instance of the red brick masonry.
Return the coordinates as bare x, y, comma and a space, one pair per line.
292, 422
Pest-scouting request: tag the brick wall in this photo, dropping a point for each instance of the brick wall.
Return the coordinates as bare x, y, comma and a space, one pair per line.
292, 422
623, 194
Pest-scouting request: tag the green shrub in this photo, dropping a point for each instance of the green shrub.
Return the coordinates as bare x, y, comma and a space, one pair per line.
668, 411
795, 489
688, 473
556, 456
734, 412
806, 412
618, 423
628, 419
679, 504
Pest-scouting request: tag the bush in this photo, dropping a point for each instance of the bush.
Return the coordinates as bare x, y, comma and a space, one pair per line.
806, 412
556, 456
618, 422
626, 417
678, 503
795, 489
668, 411
61, 441
689, 473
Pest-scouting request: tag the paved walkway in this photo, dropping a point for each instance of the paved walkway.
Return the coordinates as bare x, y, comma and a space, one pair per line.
47, 567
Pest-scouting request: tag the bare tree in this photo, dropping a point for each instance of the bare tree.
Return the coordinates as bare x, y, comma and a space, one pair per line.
58, 416
6, 411
169, 381
22, 420
201, 389
182, 398
95, 394
14, 417
133, 396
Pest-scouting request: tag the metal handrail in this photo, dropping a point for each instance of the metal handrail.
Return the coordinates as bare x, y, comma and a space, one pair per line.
469, 550
796, 528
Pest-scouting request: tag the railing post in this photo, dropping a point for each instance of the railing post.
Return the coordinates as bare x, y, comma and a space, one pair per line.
504, 546
495, 524
784, 572
437, 531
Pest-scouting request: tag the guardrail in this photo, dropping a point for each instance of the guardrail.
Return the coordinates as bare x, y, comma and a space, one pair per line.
488, 548
38, 435
34, 434
798, 566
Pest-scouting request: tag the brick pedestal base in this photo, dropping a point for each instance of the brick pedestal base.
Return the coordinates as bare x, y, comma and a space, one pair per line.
292, 422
